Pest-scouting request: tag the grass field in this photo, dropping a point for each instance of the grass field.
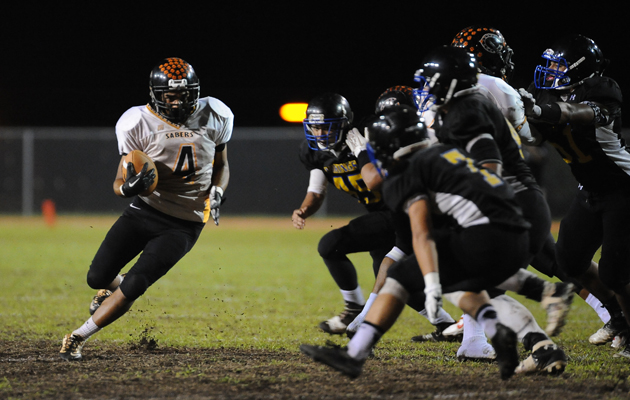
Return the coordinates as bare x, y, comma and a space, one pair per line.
249, 287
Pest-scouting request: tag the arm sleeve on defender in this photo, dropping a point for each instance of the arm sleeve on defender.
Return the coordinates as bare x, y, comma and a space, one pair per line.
317, 182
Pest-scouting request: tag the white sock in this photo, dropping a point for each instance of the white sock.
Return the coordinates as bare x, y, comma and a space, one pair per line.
487, 318
362, 342
599, 308
87, 329
472, 329
115, 283
442, 316
355, 296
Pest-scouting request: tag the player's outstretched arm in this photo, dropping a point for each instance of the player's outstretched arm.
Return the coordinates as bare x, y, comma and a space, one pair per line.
312, 202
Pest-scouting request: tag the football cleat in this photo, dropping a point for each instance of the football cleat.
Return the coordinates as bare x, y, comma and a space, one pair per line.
615, 327
439, 335
71, 347
623, 353
337, 325
546, 357
456, 329
619, 341
557, 304
476, 349
504, 343
335, 357
98, 299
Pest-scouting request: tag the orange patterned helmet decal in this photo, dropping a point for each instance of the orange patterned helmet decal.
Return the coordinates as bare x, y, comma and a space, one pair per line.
175, 68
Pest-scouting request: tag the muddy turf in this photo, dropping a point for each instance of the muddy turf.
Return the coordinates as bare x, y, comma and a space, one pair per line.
146, 370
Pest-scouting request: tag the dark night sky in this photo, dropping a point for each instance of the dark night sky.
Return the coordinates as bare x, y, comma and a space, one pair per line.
64, 66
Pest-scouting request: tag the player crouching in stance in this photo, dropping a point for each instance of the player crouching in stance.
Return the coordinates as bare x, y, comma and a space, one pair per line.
483, 242
186, 138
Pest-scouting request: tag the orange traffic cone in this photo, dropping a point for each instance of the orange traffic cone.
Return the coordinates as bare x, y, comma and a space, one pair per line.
49, 212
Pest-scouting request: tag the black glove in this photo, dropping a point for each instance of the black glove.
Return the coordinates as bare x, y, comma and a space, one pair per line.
137, 183
216, 199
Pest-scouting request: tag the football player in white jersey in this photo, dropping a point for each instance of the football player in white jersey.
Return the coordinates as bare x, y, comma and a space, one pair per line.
186, 138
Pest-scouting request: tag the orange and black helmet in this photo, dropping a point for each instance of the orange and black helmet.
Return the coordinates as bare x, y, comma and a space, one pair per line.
488, 46
174, 75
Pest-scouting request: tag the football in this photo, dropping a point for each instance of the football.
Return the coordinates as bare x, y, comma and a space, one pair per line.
138, 159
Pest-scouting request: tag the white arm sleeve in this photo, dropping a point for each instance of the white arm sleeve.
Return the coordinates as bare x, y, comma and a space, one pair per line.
317, 182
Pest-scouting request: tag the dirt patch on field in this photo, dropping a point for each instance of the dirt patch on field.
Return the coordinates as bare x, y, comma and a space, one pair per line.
144, 370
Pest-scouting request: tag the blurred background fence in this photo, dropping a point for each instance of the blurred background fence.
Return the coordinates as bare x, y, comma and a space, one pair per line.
75, 168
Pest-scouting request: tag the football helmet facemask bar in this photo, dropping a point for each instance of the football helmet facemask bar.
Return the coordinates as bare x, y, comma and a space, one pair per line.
328, 118
569, 62
174, 75
444, 72
395, 133
489, 47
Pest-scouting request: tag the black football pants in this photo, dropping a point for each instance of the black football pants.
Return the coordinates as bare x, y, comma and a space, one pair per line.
163, 240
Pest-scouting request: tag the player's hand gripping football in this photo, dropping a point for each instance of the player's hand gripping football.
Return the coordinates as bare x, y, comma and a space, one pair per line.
433, 294
137, 183
216, 198
356, 141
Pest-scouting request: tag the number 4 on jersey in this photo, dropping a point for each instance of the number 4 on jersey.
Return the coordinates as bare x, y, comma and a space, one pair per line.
185, 164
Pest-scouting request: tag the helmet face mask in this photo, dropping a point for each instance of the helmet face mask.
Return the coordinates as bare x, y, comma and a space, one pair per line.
568, 63
328, 118
174, 89
422, 99
554, 74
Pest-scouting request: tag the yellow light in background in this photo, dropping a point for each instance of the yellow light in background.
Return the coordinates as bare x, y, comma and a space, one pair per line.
293, 112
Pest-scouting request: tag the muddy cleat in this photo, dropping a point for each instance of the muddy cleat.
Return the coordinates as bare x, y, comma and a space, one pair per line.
71, 347
439, 335
619, 341
607, 333
476, 349
557, 300
504, 343
97, 300
335, 357
546, 357
337, 325
623, 353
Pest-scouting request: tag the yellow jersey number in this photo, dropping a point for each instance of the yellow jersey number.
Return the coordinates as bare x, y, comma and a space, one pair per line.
454, 157
354, 185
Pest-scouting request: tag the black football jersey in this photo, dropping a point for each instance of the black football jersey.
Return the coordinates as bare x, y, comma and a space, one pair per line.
455, 187
471, 115
597, 154
342, 170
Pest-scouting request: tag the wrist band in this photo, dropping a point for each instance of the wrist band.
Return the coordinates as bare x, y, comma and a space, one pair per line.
550, 113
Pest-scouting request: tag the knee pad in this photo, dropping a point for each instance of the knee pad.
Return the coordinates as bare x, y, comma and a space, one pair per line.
394, 288
134, 286
329, 243
99, 280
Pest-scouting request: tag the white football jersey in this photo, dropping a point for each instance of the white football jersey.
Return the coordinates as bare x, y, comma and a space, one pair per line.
183, 154
508, 101
504, 96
